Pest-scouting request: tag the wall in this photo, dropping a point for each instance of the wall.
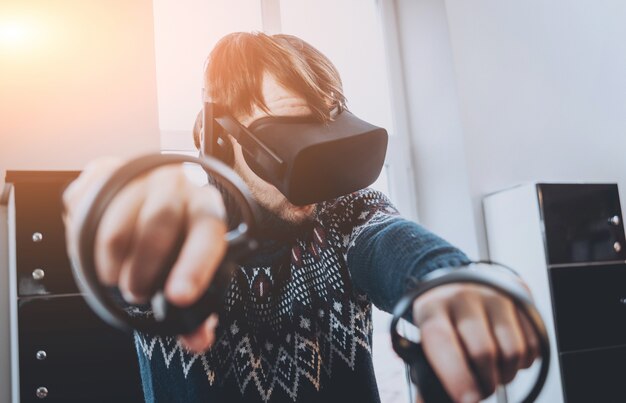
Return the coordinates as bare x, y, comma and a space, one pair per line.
540, 94
442, 183
77, 81
185, 32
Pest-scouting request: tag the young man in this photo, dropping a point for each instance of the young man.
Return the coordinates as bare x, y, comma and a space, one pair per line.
296, 323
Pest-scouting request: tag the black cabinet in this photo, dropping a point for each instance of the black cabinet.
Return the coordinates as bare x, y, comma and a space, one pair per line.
66, 353
595, 376
567, 241
583, 223
40, 234
589, 306
68, 350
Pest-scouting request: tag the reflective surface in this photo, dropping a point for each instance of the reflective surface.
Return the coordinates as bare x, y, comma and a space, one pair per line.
579, 223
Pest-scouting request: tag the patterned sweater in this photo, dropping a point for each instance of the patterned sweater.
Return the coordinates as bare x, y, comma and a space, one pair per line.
296, 325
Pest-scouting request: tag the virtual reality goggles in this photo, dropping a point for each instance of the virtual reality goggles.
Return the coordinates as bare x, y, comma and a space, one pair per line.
306, 160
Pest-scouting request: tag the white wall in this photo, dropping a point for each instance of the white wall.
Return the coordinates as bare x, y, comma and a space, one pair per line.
436, 131
185, 32
540, 93
77, 80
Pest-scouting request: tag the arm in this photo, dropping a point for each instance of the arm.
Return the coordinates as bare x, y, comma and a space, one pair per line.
473, 337
391, 255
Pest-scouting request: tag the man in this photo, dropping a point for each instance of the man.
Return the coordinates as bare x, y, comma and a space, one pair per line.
296, 323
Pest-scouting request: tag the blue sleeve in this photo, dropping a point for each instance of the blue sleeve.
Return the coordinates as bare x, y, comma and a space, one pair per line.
388, 258
386, 254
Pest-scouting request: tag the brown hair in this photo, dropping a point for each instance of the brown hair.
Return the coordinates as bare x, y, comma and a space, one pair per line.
235, 67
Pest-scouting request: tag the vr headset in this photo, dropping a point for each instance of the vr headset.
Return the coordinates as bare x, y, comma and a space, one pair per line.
306, 160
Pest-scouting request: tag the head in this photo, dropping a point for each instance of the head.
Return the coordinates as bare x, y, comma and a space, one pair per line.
254, 75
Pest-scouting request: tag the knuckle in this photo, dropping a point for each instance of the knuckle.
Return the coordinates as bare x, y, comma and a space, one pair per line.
210, 338
174, 176
513, 357
485, 355
113, 240
213, 193
156, 240
164, 216
533, 347
133, 287
433, 328
459, 292
67, 194
495, 298
129, 290
465, 293
206, 201
198, 279
137, 290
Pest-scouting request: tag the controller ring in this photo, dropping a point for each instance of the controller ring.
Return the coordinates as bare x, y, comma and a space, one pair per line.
409, 350
101, 298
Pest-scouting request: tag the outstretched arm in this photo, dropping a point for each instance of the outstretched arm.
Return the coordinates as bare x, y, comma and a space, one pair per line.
473, 336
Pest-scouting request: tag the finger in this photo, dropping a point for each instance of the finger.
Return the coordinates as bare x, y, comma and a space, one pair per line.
94, 171
508, 334
445, 353
75, 194
532, 341
159, 224
203, 249
202, 338
115, 233
474, 331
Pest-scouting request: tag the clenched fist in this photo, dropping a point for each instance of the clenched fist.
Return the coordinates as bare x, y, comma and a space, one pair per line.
140, 229
474, 337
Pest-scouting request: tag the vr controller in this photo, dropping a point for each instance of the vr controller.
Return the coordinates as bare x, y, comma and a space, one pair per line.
166, 319
420, 370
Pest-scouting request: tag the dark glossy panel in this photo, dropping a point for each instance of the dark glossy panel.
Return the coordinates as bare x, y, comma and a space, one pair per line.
595, 376
87, 361
589, 306
38, 209
576, 219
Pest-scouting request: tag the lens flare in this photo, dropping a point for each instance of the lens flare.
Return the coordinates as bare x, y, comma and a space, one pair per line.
14, 33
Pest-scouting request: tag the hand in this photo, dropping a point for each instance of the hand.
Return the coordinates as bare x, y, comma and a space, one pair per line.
139, 231
474, 338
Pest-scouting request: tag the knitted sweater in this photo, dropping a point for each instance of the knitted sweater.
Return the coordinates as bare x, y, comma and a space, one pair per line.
296, 324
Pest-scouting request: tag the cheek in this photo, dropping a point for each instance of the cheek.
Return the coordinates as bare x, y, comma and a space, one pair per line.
264, 193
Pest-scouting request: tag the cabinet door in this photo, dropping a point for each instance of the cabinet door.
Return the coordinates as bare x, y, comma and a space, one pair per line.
589, 306
583, 223
595, 376
69, 351
40, 234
